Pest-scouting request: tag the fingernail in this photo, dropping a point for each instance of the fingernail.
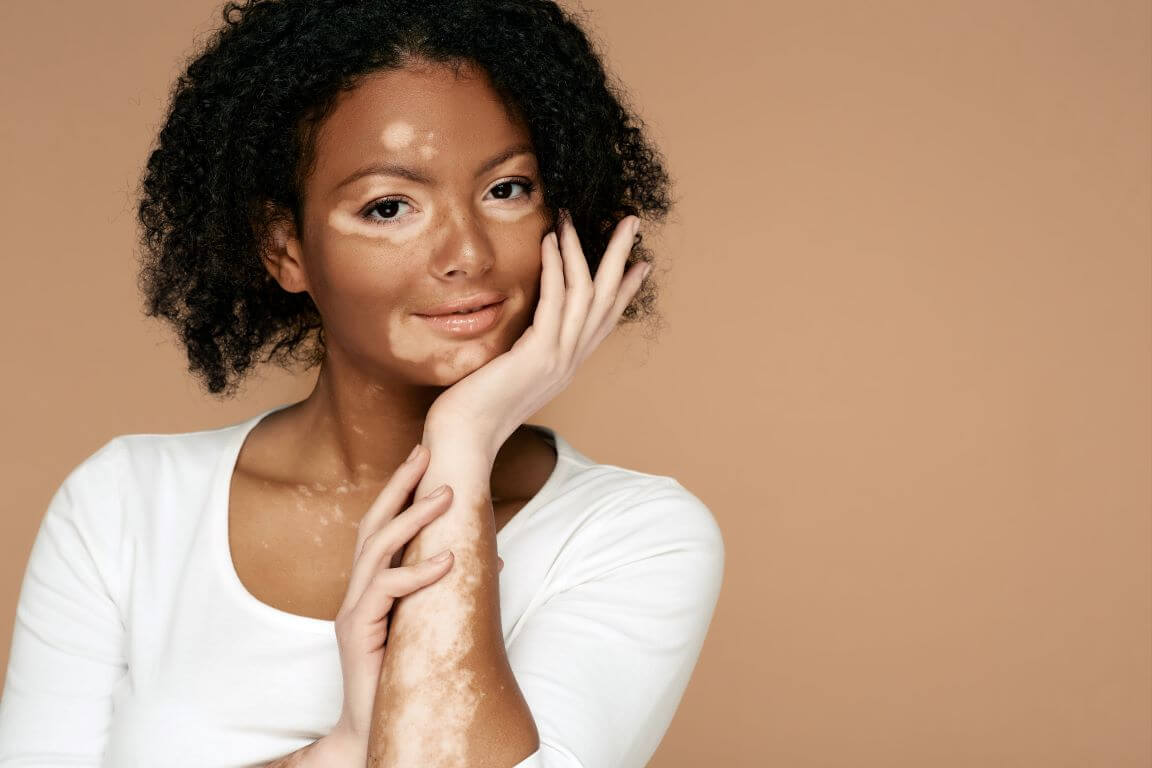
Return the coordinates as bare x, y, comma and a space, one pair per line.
635, 226
439, 491
414, 452
644, 270
442, 556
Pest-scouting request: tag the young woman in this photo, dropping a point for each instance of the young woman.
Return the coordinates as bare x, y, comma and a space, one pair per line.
437, 203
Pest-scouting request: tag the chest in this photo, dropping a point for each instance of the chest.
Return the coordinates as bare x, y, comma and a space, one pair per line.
292, 547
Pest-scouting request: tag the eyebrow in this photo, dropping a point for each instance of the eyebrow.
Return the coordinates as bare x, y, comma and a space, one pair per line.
395, 169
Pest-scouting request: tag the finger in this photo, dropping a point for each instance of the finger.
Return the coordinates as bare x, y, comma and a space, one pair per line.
578, 289
391, 583
628, 288
499, 563
394, 496
549, 308
380, 546
609, 276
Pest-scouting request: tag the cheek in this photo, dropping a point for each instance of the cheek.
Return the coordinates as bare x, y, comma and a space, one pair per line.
360, 282
364, 268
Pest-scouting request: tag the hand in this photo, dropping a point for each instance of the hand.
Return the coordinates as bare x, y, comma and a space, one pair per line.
374, 586
572, 317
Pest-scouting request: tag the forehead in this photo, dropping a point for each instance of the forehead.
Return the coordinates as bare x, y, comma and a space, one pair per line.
428, 116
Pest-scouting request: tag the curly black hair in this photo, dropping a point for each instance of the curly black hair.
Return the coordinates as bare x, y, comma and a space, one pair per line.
236, 146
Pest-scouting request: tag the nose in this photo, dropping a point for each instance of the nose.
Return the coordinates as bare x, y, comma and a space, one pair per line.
464, 248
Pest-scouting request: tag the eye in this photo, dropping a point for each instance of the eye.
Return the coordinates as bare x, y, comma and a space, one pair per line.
502, 190
387, 207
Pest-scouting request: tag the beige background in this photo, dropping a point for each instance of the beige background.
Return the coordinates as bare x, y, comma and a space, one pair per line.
907, 361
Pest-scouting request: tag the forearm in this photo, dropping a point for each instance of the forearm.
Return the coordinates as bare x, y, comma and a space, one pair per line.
332, 751
447, 695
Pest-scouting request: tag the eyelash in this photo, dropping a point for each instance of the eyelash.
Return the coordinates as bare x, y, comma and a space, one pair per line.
529, 188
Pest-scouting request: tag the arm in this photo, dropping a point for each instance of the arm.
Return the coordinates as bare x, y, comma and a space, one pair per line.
606, 656
447, 695
67, 654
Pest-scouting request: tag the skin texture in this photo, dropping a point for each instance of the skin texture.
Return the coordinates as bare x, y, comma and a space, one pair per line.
446, 693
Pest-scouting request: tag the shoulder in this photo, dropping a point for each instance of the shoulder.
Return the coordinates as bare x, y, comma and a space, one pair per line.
129, 470
144, 452
625, 516
654, 507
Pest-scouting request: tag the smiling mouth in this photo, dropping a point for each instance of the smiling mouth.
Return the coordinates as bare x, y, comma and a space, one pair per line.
467, 324
466, 311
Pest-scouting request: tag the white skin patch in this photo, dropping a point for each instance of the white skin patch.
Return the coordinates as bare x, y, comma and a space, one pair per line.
409, 338
427, 150
434, 682
397, 136
348, 223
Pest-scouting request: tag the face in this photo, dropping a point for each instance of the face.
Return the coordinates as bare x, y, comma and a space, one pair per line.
425, 190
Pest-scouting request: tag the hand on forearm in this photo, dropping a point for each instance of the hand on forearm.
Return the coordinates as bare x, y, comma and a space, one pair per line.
447, 696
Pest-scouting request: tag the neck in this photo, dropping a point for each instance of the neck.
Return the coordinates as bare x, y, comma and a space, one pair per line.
359, 429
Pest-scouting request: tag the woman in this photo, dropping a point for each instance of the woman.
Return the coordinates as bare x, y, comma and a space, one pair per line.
438, 204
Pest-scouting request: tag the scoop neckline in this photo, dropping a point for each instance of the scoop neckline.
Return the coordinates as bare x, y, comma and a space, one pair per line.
222, 488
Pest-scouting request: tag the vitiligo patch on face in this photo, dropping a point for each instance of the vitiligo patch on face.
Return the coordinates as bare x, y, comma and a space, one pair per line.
350, 224
397, 136
514, 213
411, 339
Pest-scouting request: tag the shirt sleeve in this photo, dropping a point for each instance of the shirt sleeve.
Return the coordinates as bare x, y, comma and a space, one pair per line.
605, 660
67, 642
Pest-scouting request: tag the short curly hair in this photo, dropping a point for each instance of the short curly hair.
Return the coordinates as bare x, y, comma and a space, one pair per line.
237, 145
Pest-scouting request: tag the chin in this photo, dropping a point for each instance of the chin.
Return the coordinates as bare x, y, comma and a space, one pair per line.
448, 366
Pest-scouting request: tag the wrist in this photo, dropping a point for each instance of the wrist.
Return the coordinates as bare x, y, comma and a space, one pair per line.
462, 449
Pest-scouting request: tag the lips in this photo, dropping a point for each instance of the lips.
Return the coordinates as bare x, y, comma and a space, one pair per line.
467, 325
465, 304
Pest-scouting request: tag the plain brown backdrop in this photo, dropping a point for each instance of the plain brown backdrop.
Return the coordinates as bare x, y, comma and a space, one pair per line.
907, 359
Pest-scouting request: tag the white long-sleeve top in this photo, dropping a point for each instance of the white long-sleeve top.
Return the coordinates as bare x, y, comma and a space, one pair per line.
136, 644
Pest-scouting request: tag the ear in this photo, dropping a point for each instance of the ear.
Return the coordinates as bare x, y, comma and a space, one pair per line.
281, 252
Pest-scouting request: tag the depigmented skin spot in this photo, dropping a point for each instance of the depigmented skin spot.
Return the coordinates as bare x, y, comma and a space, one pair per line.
436, 684
397, 136
349, 224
